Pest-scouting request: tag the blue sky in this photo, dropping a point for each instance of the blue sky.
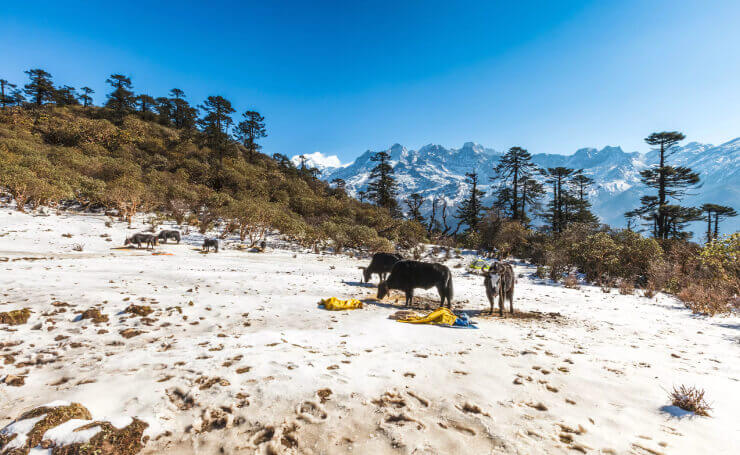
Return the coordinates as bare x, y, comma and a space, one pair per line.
343, 77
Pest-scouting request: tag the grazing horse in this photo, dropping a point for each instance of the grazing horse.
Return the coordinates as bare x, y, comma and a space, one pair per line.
499, 281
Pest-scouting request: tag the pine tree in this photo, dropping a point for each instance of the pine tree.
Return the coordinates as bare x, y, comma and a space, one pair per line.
469, 211
414, 203
283, 161
671, 182
121, 100
581, 185
65, 96
382, 188
515, 166
40, 88
215, 124
631, 216
5, 90
249, 131
532, 192
558, 208
164, 107
182, 115
720, 212
145, 104
339, 183
85, 96
676, 219
17, 98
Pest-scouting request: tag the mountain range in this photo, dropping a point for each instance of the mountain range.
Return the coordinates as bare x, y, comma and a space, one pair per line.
434, 170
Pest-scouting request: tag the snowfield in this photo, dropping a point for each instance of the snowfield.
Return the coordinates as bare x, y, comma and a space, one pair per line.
234, 355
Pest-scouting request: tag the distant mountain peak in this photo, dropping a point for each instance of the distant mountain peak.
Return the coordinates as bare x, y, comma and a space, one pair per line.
436, 171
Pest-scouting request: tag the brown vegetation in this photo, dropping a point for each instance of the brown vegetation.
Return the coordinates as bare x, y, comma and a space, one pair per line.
60, 155
690, 399
15, 317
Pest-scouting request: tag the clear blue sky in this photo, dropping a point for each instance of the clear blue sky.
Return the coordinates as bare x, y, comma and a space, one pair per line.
341, 77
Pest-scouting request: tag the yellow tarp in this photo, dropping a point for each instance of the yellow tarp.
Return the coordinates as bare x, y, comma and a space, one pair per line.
440, 316
333, 303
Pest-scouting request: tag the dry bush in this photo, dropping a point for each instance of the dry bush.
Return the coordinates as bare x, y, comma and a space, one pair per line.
649, 292
571, 282
713, 284
626, 287
708, 298
690, 399
541, 272
660, 275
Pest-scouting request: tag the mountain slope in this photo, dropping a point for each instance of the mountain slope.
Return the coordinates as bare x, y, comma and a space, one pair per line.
434, 170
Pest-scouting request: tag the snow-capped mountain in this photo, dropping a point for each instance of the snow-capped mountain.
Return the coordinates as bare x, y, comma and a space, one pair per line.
318, 160
434, 170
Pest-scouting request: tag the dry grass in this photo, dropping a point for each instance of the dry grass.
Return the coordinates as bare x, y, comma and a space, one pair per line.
53, 417
571, 282
649, 292
709, 299
690, 399
126, 441
109, 440
139, 310
95, 315
15, 317
626, 287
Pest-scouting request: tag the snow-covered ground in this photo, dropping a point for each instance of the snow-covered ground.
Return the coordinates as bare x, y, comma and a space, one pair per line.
237, 356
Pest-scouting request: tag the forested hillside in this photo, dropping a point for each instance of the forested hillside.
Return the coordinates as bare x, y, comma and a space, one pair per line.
141, 154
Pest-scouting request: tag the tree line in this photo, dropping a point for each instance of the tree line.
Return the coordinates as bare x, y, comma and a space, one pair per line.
519, 185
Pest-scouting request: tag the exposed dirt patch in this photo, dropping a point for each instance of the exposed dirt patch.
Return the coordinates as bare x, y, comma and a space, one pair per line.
14, 381
139, 310
556, 318
109, 440
95, 315
130, 333
15, 317
52, 417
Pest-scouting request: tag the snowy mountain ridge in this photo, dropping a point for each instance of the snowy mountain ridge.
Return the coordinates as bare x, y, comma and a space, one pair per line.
434, 170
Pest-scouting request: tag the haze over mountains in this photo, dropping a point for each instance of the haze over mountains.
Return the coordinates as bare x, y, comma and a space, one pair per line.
434, 170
